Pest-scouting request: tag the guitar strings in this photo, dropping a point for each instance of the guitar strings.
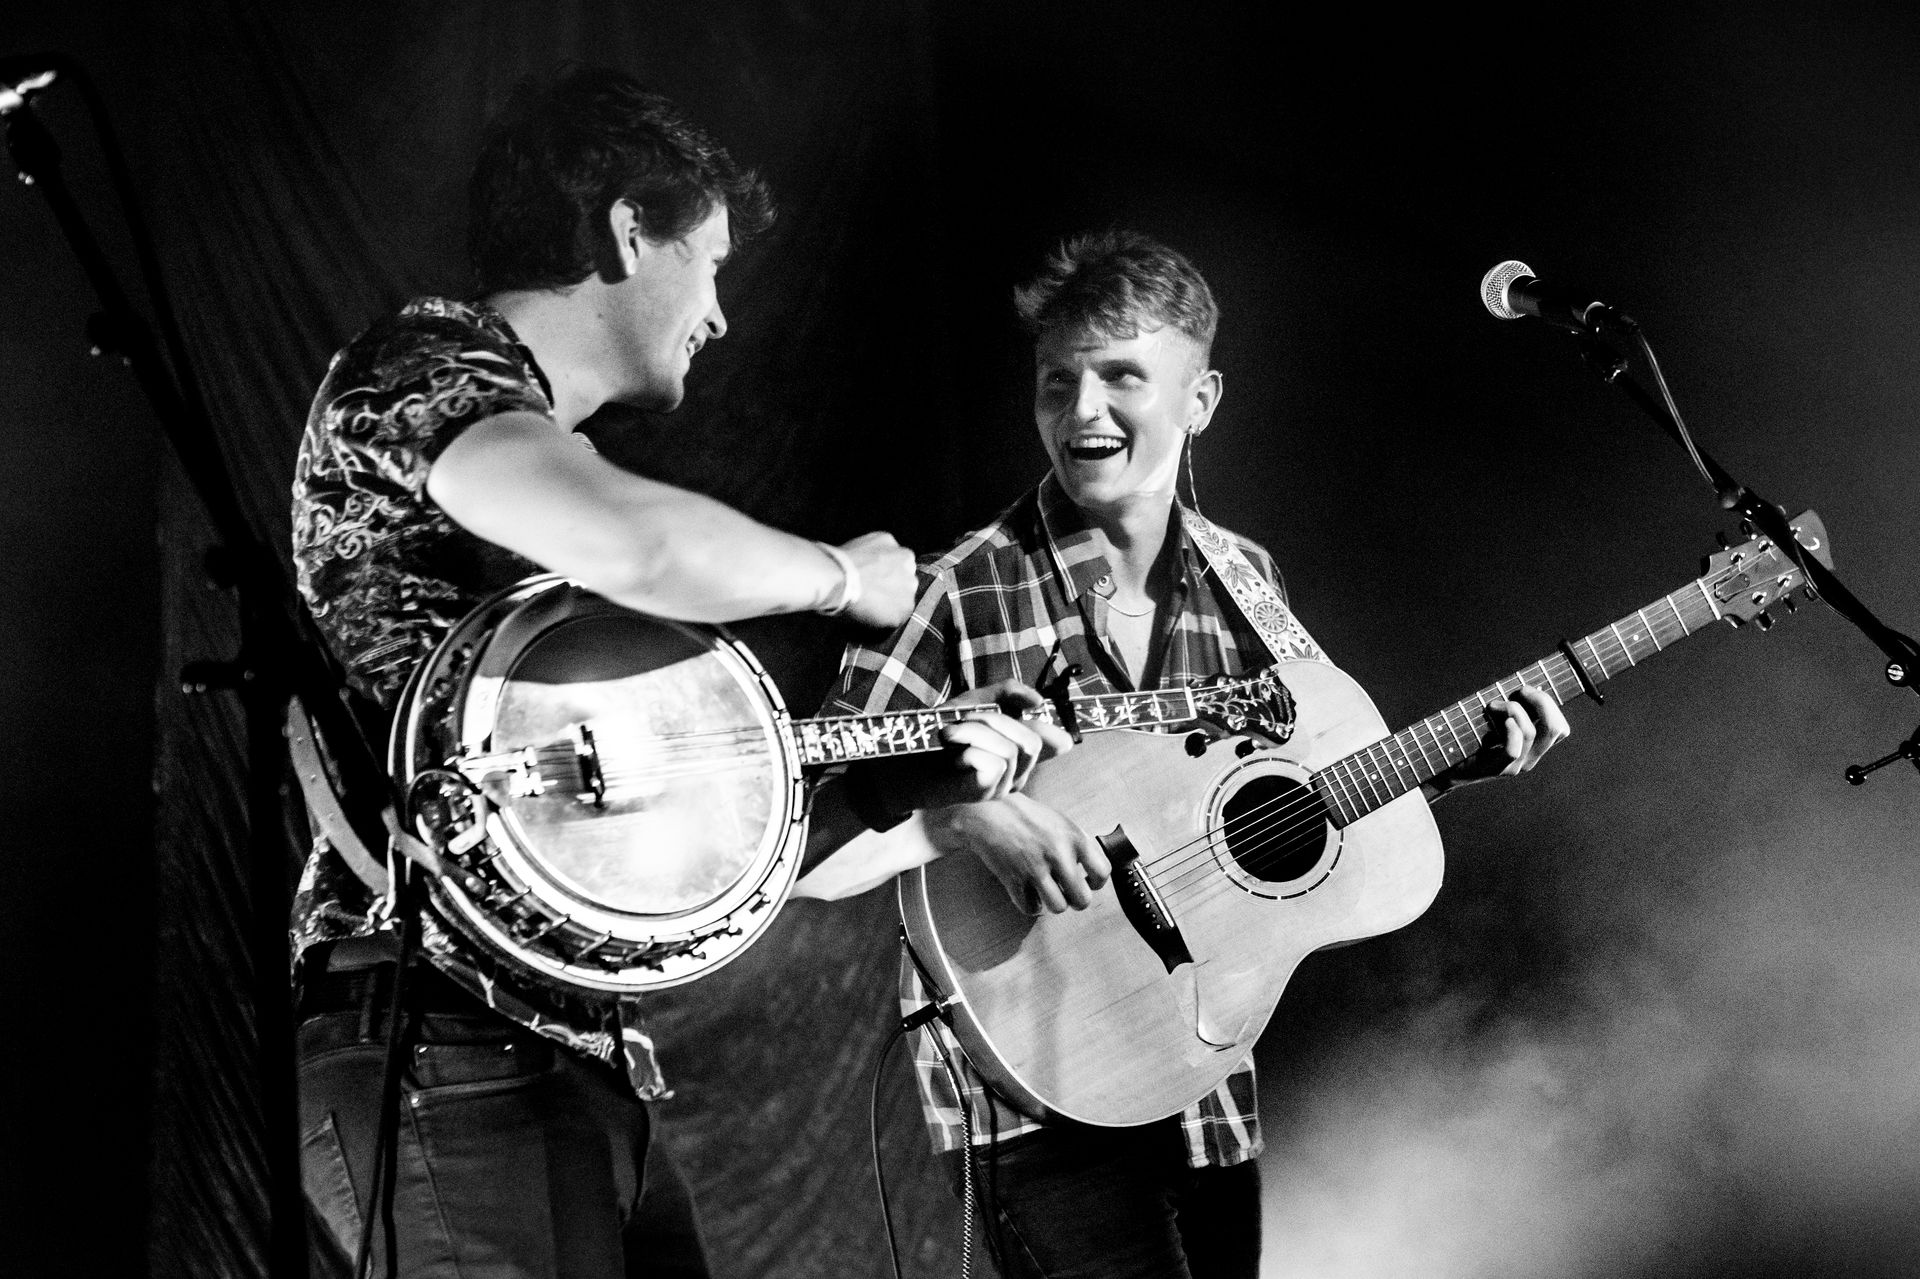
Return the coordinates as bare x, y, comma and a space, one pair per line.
1306, 807
1302, 809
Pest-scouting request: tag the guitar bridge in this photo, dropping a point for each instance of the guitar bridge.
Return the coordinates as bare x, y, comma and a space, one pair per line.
1142, 903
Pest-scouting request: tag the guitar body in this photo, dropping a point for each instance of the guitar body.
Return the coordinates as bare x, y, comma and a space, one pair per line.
1116, 1015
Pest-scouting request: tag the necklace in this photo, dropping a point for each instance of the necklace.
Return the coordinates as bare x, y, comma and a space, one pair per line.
1127, 612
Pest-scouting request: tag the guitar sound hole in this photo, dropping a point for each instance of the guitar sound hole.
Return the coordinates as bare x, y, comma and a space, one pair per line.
1276, 828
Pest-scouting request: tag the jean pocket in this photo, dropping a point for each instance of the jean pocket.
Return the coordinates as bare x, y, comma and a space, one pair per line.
328, 1184
465, 1069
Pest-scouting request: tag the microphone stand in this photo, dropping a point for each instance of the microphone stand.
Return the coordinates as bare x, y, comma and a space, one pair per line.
279, 656
1902, 668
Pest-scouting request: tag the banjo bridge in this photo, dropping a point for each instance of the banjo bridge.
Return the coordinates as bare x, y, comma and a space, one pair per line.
528, 772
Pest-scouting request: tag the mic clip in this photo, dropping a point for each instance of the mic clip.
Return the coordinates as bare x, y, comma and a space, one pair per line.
1603, 319
1606, 362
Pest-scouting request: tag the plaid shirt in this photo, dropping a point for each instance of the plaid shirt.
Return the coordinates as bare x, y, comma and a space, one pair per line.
1022, 599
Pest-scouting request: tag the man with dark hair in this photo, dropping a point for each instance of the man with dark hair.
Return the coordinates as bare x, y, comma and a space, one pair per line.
553, 163
440, 465
1103, 568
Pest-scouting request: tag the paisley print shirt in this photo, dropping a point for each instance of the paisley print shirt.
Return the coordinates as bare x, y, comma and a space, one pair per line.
383, 570
386, 574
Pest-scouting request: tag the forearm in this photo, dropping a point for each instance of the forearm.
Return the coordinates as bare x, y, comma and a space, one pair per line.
517, 481
689, 557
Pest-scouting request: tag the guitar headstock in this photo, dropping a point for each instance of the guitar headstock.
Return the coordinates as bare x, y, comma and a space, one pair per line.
1747, 580
1259, 703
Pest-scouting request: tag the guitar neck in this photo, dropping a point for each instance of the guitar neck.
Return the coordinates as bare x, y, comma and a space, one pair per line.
1375, 775
846, 739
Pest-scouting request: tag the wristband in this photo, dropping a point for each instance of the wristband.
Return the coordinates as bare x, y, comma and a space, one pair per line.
849, 593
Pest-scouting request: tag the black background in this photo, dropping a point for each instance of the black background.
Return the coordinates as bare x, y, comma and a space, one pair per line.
1662, 1018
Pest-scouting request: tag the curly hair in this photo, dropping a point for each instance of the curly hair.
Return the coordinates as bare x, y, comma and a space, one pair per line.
561, 154
1115, 283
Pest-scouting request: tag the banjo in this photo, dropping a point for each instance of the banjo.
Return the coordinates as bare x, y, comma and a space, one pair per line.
618, 801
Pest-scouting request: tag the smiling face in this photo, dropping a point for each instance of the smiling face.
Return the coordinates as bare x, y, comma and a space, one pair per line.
670, 309
1113, 412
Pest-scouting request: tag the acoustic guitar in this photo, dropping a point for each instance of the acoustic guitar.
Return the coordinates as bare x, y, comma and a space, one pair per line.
1236, 855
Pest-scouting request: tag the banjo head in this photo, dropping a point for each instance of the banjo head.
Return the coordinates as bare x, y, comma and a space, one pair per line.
631, 793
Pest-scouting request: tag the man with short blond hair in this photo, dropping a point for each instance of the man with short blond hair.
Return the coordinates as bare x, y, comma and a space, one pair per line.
1096, 569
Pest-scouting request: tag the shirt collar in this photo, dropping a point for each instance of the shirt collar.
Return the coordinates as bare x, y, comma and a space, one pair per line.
1077, 558
492, 318
482, 314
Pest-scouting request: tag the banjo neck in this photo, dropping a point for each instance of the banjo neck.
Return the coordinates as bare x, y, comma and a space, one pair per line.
1259, 700
848, 739
581, 761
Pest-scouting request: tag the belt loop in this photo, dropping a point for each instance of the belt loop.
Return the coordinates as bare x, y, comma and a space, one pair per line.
379, 986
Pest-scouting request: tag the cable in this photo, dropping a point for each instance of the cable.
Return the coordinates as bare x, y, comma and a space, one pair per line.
386, 1151
408, 905
917, 1020
1673, 409
967, 1194
873, 1134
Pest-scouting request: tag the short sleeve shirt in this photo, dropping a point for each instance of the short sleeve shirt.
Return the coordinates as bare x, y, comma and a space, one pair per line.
383, 570
386, 574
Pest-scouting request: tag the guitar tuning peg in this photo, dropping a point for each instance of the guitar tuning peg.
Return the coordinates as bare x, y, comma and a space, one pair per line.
1765, 622
1788, 602
1723, 539
1735, 620
1746, 528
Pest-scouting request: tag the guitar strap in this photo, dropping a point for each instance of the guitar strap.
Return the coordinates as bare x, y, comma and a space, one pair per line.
1259, 603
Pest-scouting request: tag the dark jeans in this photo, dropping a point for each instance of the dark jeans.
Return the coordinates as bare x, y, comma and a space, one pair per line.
1076, 1202
517, 1160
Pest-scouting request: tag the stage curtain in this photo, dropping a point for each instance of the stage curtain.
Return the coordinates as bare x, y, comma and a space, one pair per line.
304, 170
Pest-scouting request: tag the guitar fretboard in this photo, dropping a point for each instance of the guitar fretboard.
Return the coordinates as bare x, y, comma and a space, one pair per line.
842, 739
1363, 781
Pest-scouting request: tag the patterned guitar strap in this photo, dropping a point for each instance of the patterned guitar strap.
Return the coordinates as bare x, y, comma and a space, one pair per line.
1262, 606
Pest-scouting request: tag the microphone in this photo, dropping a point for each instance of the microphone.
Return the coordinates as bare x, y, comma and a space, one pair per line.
1511, 290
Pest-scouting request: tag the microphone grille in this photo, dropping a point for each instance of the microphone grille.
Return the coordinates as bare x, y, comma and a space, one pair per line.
1493, 289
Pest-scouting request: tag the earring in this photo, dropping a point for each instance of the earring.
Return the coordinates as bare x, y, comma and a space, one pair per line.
1186, 456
